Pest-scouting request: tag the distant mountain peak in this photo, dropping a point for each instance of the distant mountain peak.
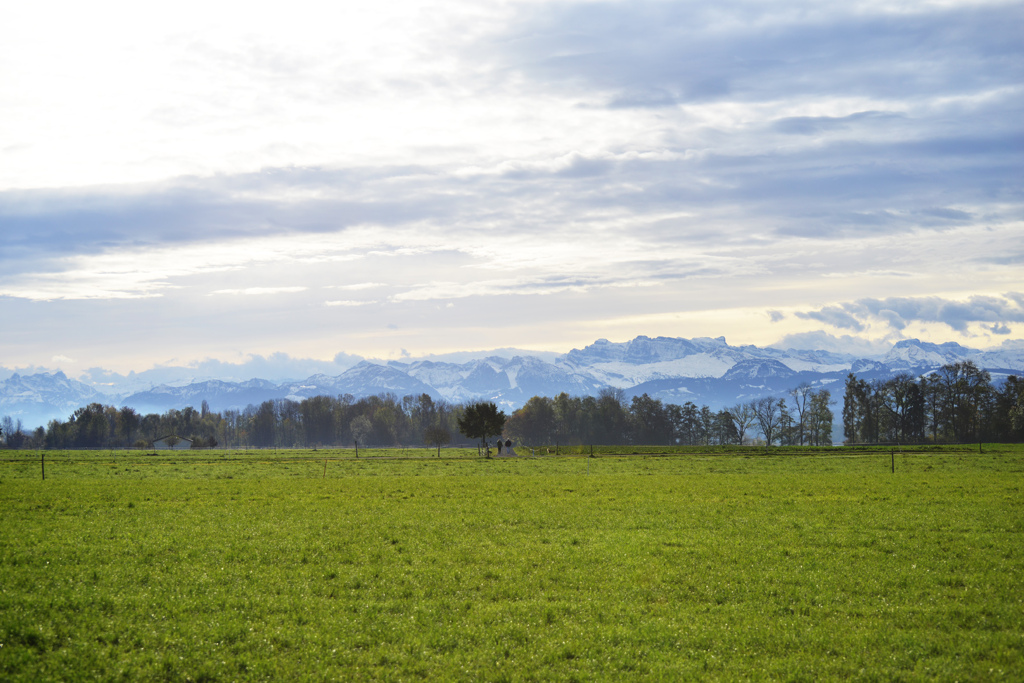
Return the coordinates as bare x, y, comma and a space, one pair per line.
704, 370
758, 370
909, 354
931, 346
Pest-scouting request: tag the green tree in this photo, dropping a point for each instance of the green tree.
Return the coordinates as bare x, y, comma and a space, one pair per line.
707, 425
819, 418
263, 424
90, 426
128, 424
317, 415
567, 410
534, 423
361, 428
967, 400
725, 431
612, 419
860, 411
902, 416
1008, 423
481, 421
1016, 411
650, 421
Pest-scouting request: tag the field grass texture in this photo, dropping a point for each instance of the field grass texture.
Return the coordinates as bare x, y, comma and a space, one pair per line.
671, 565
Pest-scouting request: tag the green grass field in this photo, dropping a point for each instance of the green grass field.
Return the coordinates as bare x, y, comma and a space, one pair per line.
709, 564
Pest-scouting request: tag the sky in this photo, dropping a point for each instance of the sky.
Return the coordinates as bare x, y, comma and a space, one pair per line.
217, 182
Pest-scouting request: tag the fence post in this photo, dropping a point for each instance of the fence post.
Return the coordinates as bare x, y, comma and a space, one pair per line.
42, 463
892, 454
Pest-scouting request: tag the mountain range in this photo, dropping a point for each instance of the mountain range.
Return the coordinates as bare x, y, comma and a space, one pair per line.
702, 370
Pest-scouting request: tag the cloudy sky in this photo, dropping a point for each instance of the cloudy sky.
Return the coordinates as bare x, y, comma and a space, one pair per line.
220, 180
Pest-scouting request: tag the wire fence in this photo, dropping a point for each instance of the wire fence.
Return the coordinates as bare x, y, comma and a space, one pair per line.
256, 463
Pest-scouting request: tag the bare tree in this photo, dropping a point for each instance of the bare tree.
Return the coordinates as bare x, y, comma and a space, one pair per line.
744, 417
801, 396
770, 414
437, 435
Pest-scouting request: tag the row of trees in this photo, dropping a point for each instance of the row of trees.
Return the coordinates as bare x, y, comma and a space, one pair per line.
608, 419
386, 420
956, 404
316, 421
13, 434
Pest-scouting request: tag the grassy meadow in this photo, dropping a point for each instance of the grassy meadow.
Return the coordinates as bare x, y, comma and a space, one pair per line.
667, 564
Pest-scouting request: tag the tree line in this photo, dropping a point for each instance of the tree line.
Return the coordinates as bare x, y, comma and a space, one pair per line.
806, 419
381, 420
956, 404
387, 420
959, 403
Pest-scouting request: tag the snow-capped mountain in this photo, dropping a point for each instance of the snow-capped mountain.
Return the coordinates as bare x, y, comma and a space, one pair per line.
703, 370
911, 353
759, 370
533, 377
367, 379
644, 359
511, 381
37, 399
219, 394
1009, 357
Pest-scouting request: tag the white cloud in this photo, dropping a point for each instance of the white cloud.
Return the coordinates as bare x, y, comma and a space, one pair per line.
898, 312
817, 340
649, 167
348, 303
358, 286
128, 273
260, 291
